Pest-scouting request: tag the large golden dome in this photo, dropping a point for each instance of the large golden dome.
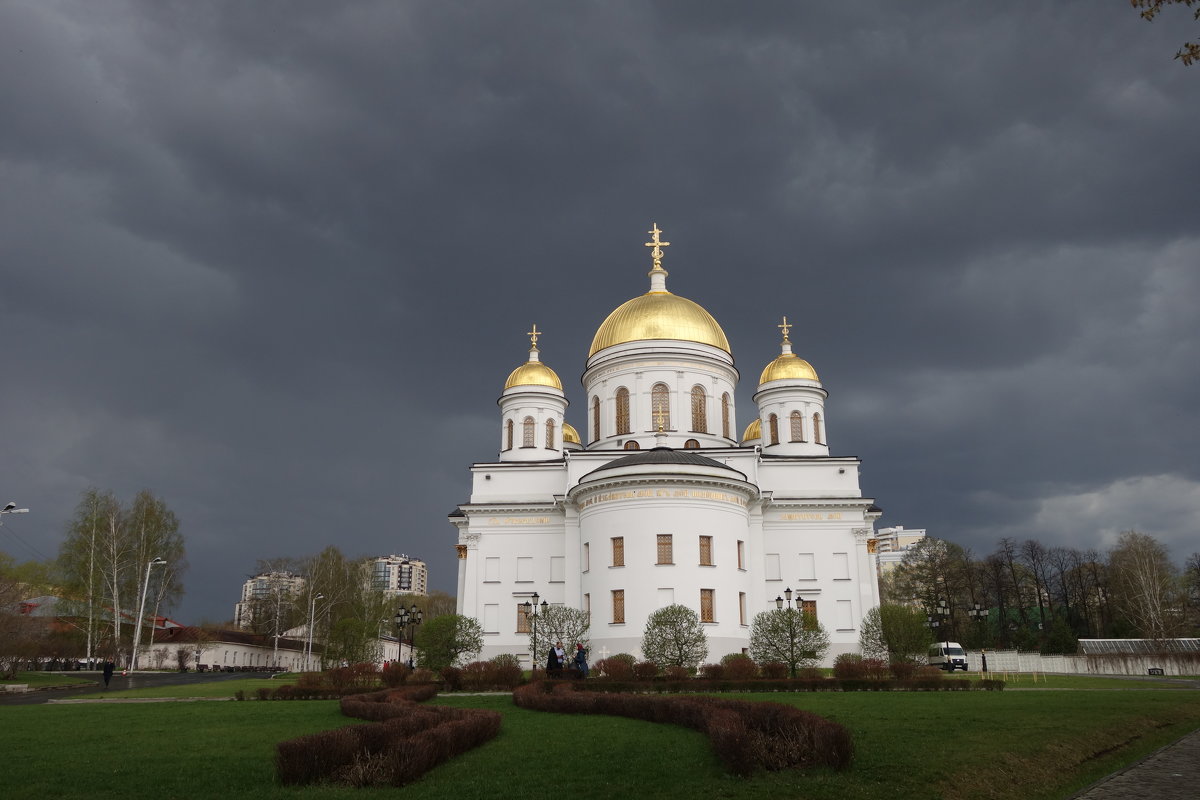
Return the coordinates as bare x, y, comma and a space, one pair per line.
787, 366
659, 315
753, 431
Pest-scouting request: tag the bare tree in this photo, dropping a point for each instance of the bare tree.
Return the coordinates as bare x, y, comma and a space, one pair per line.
1145, 586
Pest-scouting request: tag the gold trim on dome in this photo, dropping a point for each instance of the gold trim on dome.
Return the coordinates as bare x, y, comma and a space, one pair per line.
569, 434
788, 367
753, 431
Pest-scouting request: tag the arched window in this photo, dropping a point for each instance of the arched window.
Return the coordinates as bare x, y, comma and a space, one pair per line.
527, 433
632, 445
699, 410
550, 434
725, 415
508, 435
818, 435
622, 411
595, 418
691, 444
773, 423
660, 407
797, 427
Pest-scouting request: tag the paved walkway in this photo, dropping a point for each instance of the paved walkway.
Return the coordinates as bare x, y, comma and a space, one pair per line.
1169, 773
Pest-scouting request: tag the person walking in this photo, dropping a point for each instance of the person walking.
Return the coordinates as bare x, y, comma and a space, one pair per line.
581, 660
109, 666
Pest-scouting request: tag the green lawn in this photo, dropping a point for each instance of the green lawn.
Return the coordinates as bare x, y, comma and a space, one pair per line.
909, 745
39, 679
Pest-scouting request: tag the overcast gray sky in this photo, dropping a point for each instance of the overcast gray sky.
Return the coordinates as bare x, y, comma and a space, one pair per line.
274, 260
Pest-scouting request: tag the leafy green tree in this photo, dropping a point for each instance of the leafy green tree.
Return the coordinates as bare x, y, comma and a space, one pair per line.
674, 637
558, 624
789, 636
892, 632
448, 640
21, 636
348, 613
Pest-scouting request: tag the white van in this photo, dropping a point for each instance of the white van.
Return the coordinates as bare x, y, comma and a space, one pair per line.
948, 656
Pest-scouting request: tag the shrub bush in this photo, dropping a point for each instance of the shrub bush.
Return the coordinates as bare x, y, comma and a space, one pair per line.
405, 742
422, 675
775, 670
395, 674
263, 692
645, 670
875, 669
618, 667
508, 673
902, 669
848, 666
739, 667
743, 735
712, 672
310, 680
452, 677
675, 672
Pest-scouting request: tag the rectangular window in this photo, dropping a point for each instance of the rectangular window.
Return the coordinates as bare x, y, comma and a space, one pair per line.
587, 556
841, 566
618, 606
491, 570
772, 566
618, 547
491, 618
844, 620
808, 567
809, 609
741, 554
587, 606
707, 614
524, 569
706, 551
666, 549
558, 569
666, 597
741, 608
522, 619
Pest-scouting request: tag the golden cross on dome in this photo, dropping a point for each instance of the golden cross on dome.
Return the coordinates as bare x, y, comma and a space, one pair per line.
785, 327
533, 336
656, 253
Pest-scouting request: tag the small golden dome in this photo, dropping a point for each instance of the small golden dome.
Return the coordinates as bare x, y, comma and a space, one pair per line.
659, 315
569, 434
533, 373
787, 366
753, 431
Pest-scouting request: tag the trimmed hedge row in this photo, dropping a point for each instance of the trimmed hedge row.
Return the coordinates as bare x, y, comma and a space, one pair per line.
744, 736
406, 741
705, 685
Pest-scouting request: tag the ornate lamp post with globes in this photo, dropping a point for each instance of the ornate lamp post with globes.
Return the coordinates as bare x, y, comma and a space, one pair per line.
531, 614
409, 618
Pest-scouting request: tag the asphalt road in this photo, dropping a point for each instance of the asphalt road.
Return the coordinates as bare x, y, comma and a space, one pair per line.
94, 684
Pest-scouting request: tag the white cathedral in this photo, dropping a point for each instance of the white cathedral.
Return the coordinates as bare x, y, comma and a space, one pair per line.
664, 504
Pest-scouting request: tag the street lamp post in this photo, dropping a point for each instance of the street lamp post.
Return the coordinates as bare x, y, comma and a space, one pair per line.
408, 618
312, 620
979, 613
792, 622
531, 613
137, 629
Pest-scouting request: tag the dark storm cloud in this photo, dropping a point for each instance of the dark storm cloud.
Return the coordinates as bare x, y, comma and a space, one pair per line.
274, 260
